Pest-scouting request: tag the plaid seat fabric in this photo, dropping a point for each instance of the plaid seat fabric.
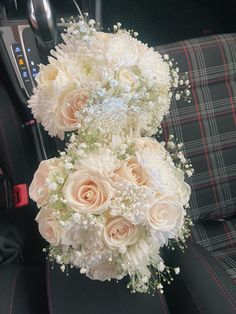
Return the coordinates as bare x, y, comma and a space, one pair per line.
206, 125
219, 238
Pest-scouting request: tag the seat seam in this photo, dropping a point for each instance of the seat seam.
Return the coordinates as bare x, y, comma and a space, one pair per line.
211, 272
49, 289
13, 291
163, 304
193, 296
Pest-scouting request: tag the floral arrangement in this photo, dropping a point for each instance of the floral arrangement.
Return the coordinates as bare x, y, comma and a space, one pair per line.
115, 196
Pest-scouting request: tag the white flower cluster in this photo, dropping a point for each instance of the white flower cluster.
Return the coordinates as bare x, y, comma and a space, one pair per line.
114, 197
109, 216
96, 78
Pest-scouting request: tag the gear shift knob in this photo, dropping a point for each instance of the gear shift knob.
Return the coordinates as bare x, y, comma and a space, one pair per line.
43, 23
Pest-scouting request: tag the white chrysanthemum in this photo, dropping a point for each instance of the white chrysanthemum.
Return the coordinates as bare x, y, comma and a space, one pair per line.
81, 67
43, 107
98, 44
140, 255
155, 70
128, 82
114, 197
138, 259
122, 50
103, 161
163, 176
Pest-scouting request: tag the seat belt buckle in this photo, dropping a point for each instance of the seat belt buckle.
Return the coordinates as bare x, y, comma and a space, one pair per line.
21, 195
12, 197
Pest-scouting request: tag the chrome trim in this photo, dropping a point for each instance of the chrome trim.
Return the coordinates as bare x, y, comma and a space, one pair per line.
43, 23
98, 12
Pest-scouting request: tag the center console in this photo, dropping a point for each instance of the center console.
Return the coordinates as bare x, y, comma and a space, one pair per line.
21, 55
22, 51
21, 58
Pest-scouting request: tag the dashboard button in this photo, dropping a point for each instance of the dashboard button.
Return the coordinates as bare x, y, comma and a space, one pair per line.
21, 62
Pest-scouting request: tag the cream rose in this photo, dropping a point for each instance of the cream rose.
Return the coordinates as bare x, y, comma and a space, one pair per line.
48, 226
65, 115
166, 215
47, 75
120, 233
38, 190
87, 191
127, 78
132, 171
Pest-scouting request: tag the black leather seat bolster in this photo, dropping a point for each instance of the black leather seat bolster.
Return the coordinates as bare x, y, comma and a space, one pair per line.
202, 280
22, 290
77, 294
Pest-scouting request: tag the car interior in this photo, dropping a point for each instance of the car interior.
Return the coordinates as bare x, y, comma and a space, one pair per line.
201, 37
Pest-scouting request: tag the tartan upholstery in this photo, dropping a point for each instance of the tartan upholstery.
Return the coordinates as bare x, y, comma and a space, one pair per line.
206, 125
219, 238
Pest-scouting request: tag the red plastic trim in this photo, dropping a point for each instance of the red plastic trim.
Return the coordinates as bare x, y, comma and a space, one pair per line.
21, 196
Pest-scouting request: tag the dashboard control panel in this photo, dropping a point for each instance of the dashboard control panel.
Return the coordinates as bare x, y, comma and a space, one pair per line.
22, 51
22, 67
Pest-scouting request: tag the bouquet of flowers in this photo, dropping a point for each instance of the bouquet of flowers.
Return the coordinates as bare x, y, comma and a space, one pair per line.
115, 196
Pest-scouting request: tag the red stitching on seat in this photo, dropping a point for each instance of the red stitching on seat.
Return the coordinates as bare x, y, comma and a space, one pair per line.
13, 291
193, 296
200, 123
49, 289
202, 45
163, 304
227, 77
211, 272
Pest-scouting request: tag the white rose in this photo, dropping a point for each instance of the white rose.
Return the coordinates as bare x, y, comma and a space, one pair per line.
87, 191
120, 233
127, 78
69, 105
166, 215
38, 190
48, 226
183, 189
